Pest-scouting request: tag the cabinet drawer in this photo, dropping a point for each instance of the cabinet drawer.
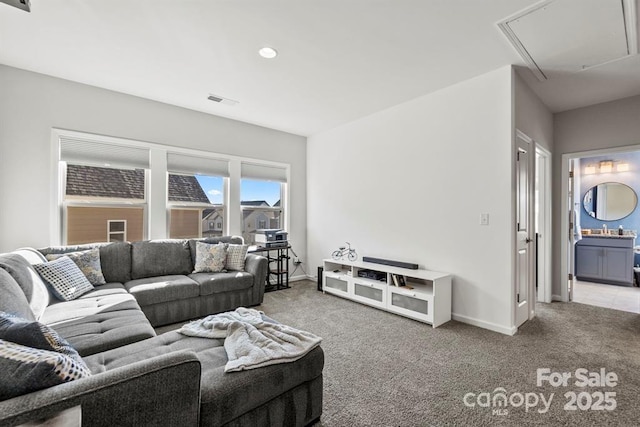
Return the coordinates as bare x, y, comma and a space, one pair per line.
370, 293
411, 304
335, 284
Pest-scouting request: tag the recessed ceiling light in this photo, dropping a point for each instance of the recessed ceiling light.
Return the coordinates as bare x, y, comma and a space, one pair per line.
268, 52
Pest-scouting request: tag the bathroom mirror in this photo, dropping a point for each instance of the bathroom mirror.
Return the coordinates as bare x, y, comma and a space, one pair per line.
610, 201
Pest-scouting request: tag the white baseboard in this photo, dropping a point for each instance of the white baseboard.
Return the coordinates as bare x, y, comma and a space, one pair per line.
485, 325
300, 277
556, 298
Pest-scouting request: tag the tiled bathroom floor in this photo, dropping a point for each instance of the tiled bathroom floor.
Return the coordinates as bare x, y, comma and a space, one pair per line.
610, 296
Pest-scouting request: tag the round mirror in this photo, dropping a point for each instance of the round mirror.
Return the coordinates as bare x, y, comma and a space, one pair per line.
610, 201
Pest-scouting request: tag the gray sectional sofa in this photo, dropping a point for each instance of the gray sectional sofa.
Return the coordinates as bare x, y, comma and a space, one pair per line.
139, 378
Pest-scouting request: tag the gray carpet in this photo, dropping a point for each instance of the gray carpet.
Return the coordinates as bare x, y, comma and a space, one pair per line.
385, 370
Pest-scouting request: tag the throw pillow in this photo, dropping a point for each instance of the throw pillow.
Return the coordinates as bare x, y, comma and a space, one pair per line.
210, 258
88, 262
235, 257
25, 369
64, 276
36, 335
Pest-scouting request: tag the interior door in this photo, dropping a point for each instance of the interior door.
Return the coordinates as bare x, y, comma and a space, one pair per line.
524, 229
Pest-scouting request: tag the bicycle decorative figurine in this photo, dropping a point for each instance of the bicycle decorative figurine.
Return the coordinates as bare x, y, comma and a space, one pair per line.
345, 250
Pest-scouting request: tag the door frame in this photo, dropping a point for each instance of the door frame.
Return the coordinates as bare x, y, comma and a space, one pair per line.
565, 249
531, 300
544, 217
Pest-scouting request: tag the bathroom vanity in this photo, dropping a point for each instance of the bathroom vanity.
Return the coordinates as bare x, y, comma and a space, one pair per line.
605, 259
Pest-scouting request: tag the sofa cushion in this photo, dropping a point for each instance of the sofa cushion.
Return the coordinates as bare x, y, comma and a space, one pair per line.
88, 262
29, 281
105, 331
214, 283
65, 278
154, 290
224, 396
115, 258
213, 240
97, 301
160, 258
210, 258
12, 298
25, 369
235, 257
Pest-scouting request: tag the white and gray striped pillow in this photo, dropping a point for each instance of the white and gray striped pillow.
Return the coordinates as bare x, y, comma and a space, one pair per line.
235, 257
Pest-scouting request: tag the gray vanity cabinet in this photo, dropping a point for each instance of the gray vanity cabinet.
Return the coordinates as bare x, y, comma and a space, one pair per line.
605, 259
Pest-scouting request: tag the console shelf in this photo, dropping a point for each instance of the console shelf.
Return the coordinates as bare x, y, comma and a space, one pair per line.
426, 295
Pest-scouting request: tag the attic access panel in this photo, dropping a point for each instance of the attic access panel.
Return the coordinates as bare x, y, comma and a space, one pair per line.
572, 35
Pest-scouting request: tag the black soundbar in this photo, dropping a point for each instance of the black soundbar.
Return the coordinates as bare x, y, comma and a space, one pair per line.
390, 262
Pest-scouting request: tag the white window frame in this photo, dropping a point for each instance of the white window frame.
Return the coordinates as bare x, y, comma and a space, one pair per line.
111, 233
156, 191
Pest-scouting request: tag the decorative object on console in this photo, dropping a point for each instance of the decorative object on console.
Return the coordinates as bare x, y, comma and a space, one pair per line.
390, 262
345, 250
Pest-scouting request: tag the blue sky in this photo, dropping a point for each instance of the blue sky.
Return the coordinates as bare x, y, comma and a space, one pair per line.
249, 190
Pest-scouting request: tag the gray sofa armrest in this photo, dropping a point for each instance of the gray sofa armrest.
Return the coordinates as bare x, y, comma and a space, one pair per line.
257, 265
163, 390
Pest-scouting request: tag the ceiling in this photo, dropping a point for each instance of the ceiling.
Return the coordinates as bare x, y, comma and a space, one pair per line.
338, 59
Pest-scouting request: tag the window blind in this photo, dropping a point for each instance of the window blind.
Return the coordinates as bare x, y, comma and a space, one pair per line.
263, 172
92, 153
186, 164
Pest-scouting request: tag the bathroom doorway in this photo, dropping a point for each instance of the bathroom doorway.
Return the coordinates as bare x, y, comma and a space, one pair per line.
602, 222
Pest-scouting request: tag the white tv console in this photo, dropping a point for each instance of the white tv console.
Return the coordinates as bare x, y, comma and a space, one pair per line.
426, 296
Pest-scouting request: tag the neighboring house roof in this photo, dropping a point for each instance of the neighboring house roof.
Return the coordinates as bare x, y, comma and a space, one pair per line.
208, 214
186, 188
276, 204
254, 203
92, 181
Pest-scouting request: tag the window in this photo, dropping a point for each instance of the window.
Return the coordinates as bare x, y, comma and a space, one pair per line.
114, 189
195, 196
117, 230
104, 189
261, 207
97, 199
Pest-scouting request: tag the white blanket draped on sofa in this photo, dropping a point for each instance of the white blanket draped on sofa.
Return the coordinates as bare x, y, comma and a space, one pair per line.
251, 340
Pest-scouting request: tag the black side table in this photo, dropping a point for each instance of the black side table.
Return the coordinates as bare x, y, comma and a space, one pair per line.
278, 270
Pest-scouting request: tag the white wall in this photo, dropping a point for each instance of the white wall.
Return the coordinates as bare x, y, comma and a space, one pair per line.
531, 115
409, 183
32, 104
608, 125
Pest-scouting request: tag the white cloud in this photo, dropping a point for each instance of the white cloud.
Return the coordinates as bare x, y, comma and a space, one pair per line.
214, 192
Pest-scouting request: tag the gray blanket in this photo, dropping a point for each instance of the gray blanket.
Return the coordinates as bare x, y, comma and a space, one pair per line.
252, 340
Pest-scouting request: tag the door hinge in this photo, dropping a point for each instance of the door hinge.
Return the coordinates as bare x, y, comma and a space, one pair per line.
570, 174
517, 297
570, 276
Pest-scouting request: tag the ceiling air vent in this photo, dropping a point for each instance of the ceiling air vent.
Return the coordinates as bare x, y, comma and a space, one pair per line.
20, 4
568, 36
220, 100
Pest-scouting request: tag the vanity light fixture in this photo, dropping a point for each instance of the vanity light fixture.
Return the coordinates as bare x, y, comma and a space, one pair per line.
622, 167
606, 166
268, 52
589, 170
